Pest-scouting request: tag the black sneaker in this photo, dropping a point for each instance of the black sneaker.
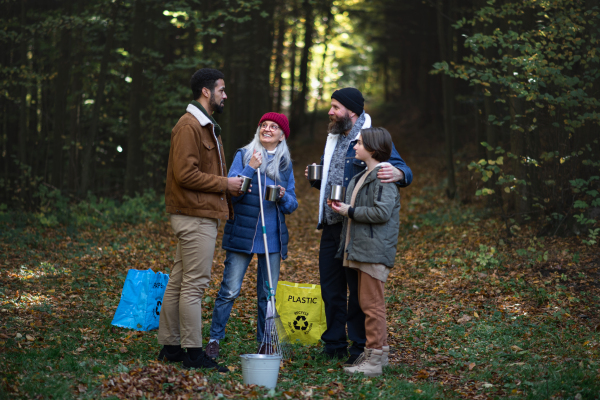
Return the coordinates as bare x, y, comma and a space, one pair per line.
212, 350
177, 356
203, 361
338, 355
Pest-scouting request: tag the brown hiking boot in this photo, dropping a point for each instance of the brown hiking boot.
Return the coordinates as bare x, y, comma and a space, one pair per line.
212, 350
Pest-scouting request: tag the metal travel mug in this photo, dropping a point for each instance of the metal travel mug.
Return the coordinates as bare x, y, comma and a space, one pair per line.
272, 193
245, 183
315, 172
337, 192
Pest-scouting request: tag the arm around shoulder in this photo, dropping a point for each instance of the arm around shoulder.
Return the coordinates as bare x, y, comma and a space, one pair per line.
399, 163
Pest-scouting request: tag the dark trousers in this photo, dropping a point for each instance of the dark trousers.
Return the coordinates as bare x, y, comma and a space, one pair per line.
340, 310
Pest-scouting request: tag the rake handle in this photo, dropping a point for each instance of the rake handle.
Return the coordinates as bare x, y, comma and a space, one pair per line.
264, 229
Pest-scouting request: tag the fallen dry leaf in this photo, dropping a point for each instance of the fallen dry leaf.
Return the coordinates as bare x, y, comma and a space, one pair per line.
30, 338
463, 319
471, 366
422, 374
18, 336
123, 350
516, 348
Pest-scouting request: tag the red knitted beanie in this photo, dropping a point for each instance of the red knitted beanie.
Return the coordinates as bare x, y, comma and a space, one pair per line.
279, 119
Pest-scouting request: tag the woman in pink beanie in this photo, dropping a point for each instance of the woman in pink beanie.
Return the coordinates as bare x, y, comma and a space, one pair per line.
242, 236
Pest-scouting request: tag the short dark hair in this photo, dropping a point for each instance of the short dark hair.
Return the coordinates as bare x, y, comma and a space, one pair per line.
205, 78
378, 141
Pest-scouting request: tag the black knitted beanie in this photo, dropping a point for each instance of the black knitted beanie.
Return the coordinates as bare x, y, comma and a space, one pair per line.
350, 98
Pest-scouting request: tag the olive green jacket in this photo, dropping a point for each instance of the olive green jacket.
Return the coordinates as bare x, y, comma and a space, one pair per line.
375, 221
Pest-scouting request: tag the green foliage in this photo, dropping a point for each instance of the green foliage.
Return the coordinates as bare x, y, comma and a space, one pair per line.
57, 210
539, 62
486, 258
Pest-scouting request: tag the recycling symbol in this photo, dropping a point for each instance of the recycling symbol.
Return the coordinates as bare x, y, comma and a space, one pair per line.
298, 319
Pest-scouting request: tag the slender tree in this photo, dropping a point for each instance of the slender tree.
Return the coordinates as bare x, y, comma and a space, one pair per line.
134, 149
87, 159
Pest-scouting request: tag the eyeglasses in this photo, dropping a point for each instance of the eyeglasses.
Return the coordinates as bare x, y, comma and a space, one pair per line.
268, 127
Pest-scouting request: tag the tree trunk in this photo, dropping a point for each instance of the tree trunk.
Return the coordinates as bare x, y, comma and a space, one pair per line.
88, 157
517, 147
247, 58
75, 110
491, 132
134, 148
277, 79
292, 53
447, 94
61, 84
299, 108
23, 98
326, 37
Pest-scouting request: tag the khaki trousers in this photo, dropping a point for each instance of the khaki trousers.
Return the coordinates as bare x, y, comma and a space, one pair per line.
181, 312
372, 303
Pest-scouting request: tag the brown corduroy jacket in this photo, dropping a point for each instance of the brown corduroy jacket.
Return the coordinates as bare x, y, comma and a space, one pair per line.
197, 173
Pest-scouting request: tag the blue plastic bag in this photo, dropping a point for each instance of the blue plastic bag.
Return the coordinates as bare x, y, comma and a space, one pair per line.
141, 300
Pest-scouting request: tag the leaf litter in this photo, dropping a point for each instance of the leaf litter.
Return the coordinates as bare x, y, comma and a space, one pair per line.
440, 298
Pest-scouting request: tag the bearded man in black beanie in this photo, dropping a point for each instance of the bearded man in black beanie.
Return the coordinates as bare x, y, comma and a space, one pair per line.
347, 117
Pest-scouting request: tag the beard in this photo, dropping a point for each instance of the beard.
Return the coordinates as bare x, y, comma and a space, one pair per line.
218, 108
337, 126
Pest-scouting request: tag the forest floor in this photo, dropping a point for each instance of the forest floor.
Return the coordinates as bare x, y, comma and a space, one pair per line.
472, 313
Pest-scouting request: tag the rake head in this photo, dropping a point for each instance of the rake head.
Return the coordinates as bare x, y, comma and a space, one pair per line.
275, 339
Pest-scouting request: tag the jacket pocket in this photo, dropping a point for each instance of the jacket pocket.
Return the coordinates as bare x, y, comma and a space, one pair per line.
371, 230
209, 145
209, 155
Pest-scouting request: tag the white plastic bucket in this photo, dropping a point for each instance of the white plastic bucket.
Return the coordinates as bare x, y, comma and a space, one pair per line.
260, 369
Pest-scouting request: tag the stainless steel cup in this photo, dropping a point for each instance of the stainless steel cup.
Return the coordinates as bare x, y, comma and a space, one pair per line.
315, 172
338, 192
245, 183
272, 193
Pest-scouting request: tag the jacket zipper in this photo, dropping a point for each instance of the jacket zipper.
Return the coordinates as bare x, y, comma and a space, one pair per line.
258, 219
218, 150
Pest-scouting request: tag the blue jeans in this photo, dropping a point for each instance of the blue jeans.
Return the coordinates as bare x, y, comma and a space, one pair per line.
236, 265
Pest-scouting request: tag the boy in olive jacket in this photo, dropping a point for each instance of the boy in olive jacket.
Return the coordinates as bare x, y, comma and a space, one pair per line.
368, 243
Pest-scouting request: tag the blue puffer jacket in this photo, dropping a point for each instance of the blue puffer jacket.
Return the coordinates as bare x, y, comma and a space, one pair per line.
240, 232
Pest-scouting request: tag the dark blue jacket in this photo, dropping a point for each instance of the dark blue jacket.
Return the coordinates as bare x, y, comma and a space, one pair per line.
240, 232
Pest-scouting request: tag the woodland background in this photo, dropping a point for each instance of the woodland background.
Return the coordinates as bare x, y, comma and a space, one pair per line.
493, 104
91, 89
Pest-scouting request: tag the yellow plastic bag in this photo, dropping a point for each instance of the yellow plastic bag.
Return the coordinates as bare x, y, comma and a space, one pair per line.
302, 311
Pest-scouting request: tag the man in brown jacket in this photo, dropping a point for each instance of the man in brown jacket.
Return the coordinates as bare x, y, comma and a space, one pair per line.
197, 195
